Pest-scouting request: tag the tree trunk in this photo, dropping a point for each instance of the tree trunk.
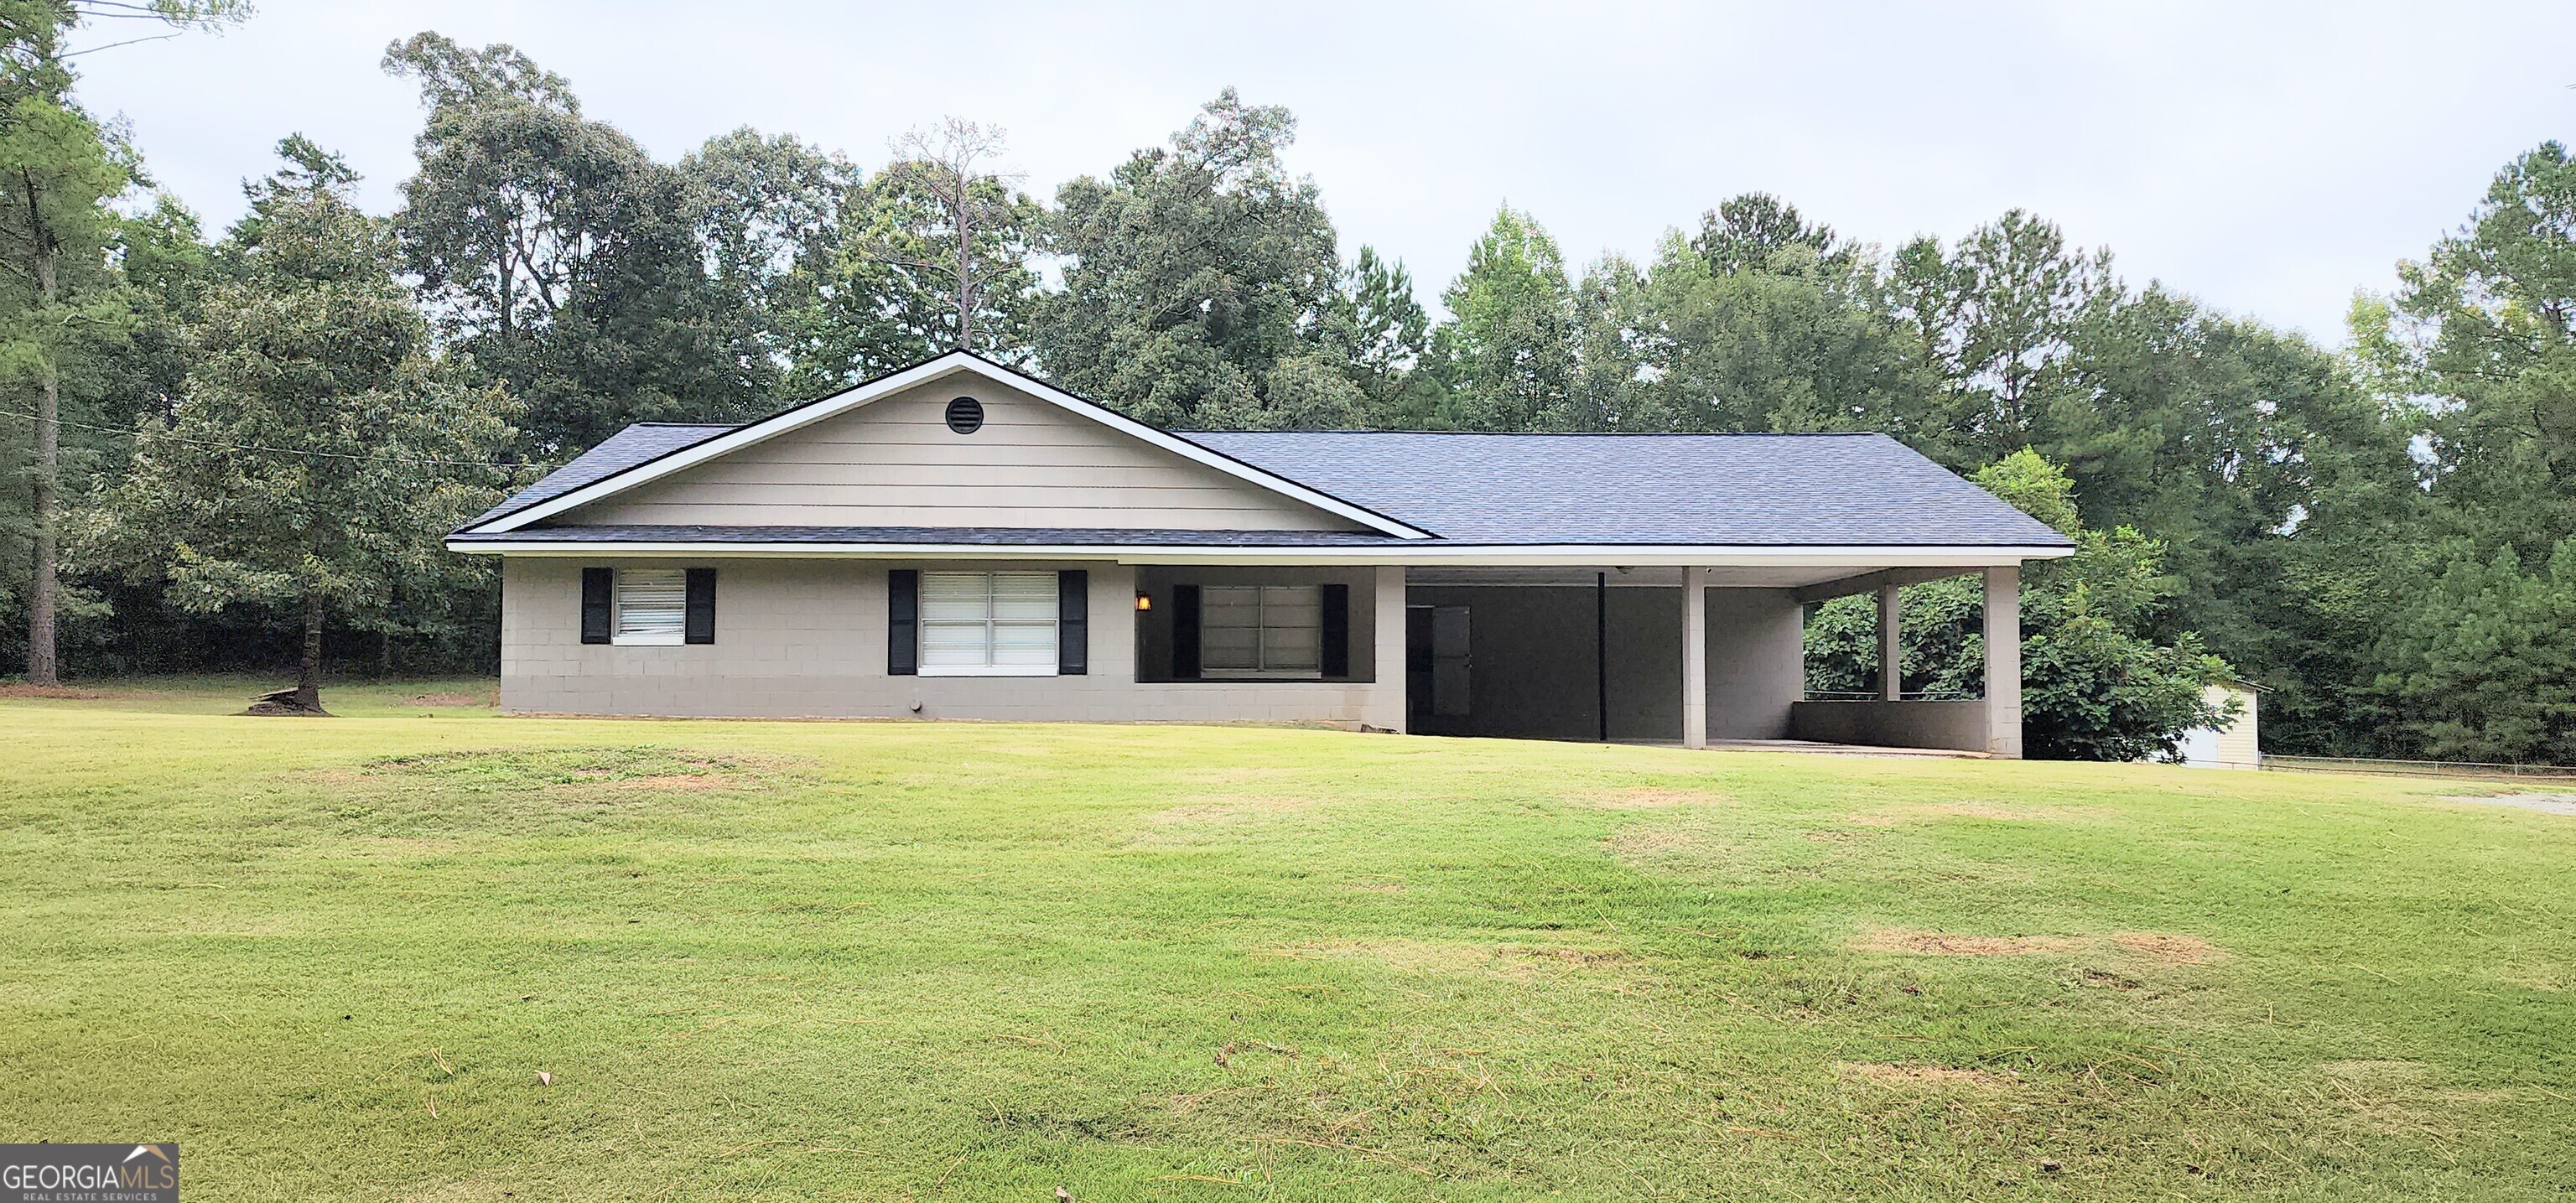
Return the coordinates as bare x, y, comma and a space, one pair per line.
308, 673
42, 668
965, 266
385, 653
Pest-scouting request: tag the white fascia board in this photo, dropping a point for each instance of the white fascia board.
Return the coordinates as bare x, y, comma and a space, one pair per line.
1426, 553
921, 374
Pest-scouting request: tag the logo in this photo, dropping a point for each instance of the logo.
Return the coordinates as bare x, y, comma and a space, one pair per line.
89, 1173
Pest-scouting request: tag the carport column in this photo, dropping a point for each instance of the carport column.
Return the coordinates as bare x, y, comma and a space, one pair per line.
1891, 653
2003, 661
1694, 657
1386, 708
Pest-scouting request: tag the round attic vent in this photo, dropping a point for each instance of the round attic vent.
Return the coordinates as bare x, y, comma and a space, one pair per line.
965, 415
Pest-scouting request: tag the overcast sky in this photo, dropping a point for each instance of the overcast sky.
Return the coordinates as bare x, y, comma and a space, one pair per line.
2269, 159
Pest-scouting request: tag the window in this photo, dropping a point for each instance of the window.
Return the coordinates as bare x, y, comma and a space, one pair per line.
1261, 631
652, 607
994, 624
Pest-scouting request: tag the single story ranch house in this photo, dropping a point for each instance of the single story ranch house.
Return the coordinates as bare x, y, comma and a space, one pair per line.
960, 540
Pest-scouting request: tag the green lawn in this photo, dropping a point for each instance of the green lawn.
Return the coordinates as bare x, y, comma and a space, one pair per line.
331, 957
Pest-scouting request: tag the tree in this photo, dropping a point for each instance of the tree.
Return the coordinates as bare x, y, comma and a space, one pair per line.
2483, 667
319, 452
1749, 337
2274, 478
769, 220
2094, 687
62, 308
951, 240
1191, 273
1996, 314
2485, 329
58, 173
1380, 335
1748, 232
1508, 349
561, 258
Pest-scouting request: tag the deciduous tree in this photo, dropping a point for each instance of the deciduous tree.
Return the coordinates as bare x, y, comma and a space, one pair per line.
1191, 273
319, 452
562, 258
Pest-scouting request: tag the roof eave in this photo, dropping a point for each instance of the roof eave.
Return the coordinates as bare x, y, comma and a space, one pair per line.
1965, 557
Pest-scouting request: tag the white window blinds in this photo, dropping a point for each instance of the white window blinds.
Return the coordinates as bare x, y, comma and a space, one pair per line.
652, 606
988, 624
1261, 630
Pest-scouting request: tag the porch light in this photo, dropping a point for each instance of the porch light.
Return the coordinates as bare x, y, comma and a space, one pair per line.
1144, 601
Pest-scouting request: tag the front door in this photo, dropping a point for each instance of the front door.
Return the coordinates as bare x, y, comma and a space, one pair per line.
1436, 661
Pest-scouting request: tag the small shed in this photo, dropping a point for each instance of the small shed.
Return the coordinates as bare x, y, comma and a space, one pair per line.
2232, 745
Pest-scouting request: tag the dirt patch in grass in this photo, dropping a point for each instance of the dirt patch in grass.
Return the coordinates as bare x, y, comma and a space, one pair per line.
1378, 887
1651, 842
619, 768
1519, 961
1409, 956
1664, 849
434, 794
20, 689
1988, 810
1953, 944
2549, 804
1548, 960
1655, 798
2161, 948
2167, 948
1919, 1077
457, 699
1870, 820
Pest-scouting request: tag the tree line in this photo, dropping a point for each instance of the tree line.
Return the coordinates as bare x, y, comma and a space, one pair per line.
241, 448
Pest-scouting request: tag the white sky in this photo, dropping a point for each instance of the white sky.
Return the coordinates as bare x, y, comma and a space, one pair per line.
2267, 158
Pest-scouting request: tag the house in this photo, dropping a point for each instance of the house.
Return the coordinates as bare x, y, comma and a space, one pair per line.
2229, 745
960, 540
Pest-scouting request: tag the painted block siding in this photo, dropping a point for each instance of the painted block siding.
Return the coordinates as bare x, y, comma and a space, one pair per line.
895, 462
807, 638
1959, 725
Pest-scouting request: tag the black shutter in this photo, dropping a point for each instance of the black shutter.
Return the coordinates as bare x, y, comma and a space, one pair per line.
903, 622
698, 623
1073, 622
1337, 630
1185, 632
598, 587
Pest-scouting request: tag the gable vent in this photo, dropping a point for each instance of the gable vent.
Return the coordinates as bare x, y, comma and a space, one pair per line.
965, 415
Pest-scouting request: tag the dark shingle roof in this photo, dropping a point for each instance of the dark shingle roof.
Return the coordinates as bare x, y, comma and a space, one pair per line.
1688, 489
1696, 489
616, 453
980, 535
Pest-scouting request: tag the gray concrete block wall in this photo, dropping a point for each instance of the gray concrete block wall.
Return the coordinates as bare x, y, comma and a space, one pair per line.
1957, 725
807, 638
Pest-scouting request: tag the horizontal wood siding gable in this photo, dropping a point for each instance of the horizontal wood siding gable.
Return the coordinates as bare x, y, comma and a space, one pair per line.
896, 463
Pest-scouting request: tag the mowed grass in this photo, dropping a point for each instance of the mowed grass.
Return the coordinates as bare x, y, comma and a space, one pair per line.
982, 962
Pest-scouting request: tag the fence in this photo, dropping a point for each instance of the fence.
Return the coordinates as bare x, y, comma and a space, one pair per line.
2423, 768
